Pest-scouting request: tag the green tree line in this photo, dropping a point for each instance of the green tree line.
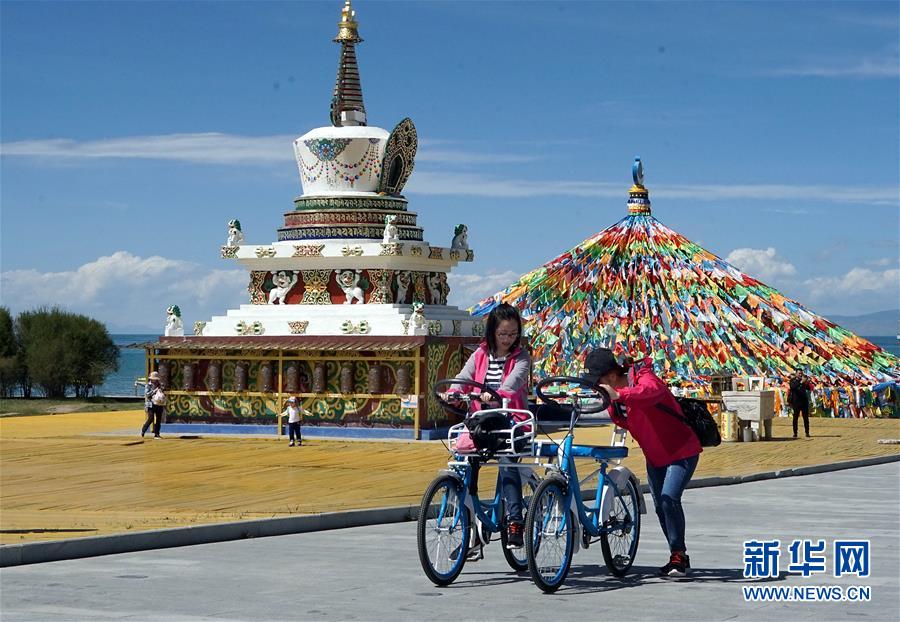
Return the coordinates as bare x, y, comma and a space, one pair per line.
53, 352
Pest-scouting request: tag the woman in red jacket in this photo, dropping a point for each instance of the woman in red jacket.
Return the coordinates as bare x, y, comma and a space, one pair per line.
670, 447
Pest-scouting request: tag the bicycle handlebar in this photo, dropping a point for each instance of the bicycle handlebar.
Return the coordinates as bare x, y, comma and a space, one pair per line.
441, 397
590, 392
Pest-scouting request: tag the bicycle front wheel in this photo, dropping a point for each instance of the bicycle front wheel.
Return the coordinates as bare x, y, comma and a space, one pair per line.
622, 530
443, 531
549, 536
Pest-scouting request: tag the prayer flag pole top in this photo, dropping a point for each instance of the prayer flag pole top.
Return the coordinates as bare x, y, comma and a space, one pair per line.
638, 197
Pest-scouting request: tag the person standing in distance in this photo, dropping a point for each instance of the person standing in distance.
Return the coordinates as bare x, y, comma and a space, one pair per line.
798, 397
294, 414
670, 446
154, 404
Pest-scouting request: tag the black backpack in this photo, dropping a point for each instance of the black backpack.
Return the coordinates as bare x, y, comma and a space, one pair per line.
696, 416
481, 428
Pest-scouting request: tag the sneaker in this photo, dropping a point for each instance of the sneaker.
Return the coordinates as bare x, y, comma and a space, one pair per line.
515, 535
475, 553
677, 567
291, 444
157, 437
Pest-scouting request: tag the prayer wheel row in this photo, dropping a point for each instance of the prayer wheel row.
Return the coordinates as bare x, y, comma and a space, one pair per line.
376, 379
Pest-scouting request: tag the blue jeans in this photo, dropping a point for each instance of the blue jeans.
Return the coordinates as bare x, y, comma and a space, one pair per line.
511, 489
294, 430
666, 485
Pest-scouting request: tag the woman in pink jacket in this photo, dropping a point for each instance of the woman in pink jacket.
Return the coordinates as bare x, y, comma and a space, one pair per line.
502, 364
670, 446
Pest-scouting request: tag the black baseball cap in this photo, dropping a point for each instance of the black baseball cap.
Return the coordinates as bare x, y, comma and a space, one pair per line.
601, 361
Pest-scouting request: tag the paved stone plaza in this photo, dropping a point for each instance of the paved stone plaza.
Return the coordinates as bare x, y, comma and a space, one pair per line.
373, 573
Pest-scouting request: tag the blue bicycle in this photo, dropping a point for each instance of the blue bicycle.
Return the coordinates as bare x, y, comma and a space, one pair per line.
560, 519
454, 523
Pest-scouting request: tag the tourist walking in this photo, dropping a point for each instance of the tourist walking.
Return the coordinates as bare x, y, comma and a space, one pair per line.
798, 397
154, 404
643, 405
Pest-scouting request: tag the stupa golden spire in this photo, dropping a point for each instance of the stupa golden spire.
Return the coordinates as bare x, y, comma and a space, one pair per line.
347, 27
347, 106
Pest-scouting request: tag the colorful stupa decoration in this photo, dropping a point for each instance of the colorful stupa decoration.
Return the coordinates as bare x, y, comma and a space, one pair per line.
642, 288
348, 307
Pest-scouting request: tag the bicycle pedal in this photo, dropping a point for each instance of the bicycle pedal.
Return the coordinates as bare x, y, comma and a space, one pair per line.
476, 553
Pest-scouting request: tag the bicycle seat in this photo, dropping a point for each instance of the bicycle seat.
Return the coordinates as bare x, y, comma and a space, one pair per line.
597, 452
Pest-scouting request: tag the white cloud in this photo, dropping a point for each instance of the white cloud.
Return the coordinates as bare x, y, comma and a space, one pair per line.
448, 156
467, 289
763, 264
206, 148
857, 281
869, 19
126, 290
882, 262
792, 211
427, 182
888, 195
450, 183
218, 148
887, 67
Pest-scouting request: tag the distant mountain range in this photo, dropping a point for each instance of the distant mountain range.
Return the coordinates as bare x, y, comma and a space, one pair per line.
879, 324
132, 329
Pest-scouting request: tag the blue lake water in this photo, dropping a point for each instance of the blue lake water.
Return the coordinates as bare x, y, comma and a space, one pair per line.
131, 365
131, 361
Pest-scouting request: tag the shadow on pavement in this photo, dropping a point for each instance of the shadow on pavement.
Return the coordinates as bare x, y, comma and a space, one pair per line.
583, 579
592, 578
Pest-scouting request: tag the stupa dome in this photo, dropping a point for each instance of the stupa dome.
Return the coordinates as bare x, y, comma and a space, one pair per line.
342, 160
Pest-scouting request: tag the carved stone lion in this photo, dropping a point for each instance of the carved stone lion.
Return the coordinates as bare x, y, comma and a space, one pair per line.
460, 238
391, 234
235, 235
174, 325
416, 325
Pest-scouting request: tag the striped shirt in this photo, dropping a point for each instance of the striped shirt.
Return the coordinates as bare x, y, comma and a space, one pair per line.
494, 376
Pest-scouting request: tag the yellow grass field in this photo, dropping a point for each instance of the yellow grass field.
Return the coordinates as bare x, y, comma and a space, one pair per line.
84, 474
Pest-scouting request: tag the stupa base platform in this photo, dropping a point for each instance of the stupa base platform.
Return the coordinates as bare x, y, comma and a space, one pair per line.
381, 320
308, 431
377, 385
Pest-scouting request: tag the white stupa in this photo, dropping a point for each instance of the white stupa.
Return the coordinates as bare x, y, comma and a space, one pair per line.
350, 258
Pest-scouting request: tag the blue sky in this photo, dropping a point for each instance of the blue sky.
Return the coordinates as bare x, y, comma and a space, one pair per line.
132, 132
